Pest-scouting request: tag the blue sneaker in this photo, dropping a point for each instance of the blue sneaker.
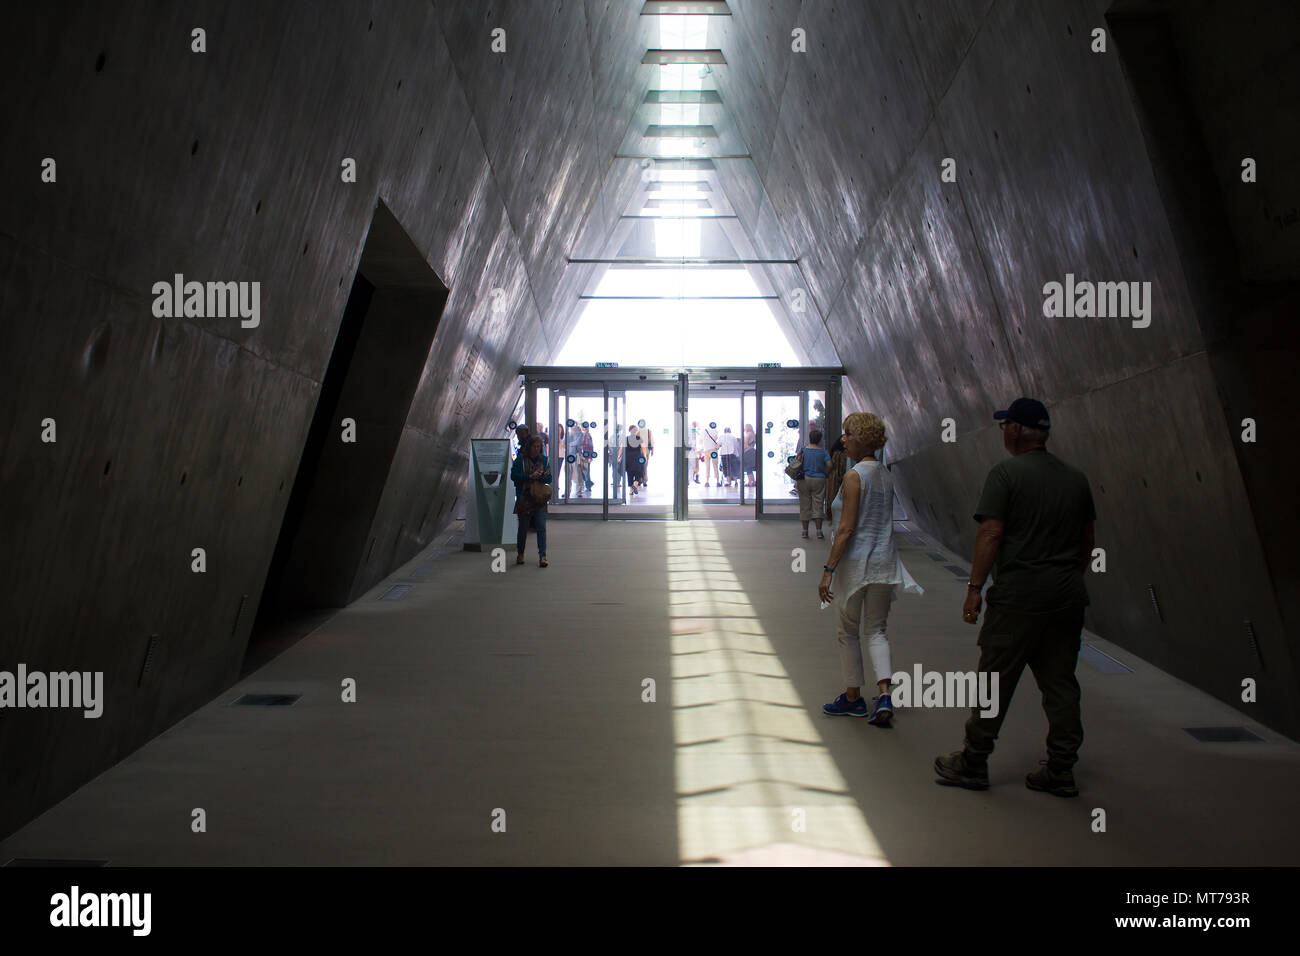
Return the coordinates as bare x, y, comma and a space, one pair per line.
843, 707
883, 711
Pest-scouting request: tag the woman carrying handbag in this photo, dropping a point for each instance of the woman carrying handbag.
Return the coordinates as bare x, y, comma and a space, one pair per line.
531, 474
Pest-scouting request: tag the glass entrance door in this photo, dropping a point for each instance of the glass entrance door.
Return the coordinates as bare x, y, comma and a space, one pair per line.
720, 443
639, 456
781, 436
577, 451
646, 443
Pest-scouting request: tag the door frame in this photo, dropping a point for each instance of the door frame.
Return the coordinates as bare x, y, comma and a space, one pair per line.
774, 381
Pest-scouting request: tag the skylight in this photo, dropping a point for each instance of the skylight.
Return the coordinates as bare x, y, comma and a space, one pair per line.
679, 313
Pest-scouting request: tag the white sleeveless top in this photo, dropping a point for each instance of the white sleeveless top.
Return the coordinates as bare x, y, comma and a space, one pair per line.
872, 557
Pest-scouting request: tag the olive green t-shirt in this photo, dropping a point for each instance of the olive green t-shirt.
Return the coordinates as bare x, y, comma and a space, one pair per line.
1044, 505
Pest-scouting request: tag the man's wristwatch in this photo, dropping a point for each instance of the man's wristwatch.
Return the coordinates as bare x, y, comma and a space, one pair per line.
827, 567
973, 586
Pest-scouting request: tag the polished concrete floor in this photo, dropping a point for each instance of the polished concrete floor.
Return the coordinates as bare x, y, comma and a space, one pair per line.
500, 718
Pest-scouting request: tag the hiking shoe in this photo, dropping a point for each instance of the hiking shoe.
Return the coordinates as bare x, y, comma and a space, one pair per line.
1057, 782
882, 711
804, 534
843, 707
955, 770
820, 535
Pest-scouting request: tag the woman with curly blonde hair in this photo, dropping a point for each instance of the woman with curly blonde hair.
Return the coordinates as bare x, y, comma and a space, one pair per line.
870, 573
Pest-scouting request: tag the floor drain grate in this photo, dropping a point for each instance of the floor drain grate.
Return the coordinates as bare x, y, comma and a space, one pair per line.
1223, 735
396, 592
266, 700
935, 557
955, 570
36, 861
1102, 661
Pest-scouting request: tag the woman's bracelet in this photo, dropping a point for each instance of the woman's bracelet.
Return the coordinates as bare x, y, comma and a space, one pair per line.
827, 567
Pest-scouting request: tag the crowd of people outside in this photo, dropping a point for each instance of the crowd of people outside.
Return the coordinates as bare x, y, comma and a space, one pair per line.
727, 459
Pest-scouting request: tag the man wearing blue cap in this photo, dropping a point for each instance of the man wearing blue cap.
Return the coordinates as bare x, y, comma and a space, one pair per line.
1036, 533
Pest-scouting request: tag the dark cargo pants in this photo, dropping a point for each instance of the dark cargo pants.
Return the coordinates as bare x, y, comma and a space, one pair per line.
1049, 644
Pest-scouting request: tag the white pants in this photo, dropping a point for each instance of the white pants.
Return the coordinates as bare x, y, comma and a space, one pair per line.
864, 616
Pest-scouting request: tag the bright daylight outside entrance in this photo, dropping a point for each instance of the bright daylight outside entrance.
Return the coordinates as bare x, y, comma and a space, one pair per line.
697, 403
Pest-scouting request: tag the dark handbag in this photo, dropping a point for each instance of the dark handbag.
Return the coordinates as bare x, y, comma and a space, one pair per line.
794, 468
540, 491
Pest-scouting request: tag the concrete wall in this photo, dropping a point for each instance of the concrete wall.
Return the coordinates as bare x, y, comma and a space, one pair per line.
183, 433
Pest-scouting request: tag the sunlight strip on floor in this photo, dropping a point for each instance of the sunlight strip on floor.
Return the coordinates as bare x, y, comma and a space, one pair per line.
754, 782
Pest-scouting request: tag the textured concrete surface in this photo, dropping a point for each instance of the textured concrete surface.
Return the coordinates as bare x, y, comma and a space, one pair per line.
224, 166
523, 692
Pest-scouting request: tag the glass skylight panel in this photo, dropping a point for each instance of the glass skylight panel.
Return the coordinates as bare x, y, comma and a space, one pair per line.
679, 114
708, 281
682, 76
677, 175
683, 32
677, 238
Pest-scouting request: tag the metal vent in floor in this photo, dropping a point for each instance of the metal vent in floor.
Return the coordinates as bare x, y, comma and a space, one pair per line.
266, 700
396, 592
935, 557
955, 570
38, 861
1223, 735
